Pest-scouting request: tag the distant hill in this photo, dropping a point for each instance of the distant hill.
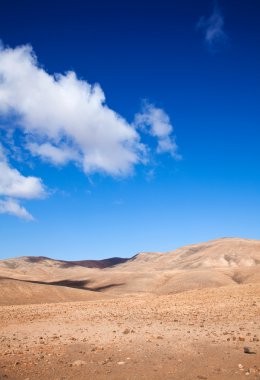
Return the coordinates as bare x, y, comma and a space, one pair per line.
221, 262
101, 264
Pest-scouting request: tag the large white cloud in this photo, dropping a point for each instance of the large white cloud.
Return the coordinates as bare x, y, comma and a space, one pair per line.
63, 118
64, 110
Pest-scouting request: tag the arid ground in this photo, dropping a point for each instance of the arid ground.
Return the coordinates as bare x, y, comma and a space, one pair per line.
189, 314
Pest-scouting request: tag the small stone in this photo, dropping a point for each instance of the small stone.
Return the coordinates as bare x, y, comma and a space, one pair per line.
241, 338
247, 350
120, 363
78, 363
126, 331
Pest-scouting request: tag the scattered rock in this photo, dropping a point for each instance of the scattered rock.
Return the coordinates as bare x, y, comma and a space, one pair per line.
78, 363
108, 360
247, 350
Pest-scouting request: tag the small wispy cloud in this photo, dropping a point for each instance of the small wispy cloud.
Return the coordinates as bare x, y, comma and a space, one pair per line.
155, 122
118, 202
213, 29
12, 207
14, 186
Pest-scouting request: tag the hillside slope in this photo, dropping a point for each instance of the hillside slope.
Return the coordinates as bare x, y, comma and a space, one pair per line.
221, 262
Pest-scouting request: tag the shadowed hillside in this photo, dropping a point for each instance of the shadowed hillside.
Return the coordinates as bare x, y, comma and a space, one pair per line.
221, 262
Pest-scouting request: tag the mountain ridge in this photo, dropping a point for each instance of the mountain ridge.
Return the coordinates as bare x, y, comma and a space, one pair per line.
115, 260
219, 262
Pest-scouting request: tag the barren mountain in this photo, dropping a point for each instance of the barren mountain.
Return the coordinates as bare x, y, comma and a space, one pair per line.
216, 263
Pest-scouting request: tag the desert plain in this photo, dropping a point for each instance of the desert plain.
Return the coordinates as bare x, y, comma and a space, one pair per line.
192, 313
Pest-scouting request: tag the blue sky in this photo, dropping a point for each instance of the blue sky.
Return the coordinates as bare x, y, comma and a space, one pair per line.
163, 152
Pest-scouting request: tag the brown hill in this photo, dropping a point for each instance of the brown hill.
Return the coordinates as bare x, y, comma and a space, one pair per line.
228, 261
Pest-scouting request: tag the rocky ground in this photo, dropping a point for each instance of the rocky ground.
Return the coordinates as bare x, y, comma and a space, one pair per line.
199, 334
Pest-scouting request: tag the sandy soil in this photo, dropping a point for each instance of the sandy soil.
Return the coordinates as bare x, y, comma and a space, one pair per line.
198, 334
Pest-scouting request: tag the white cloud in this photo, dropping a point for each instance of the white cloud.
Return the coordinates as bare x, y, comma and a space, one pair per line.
14, 185
156, 122
12, 207
213, 28
62, 110
63, 118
